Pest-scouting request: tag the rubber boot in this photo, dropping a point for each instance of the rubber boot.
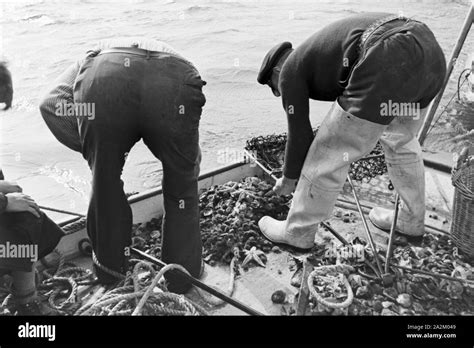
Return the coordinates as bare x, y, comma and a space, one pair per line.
406, 170
342, 139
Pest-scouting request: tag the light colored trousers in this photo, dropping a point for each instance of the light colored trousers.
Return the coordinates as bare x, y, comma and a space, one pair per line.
342, 139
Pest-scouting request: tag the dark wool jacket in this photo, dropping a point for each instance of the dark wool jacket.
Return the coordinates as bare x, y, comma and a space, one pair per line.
318, 69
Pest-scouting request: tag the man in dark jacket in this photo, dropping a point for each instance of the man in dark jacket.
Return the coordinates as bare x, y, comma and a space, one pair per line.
382, 71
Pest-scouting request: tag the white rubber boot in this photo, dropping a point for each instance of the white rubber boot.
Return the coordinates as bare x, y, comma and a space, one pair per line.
275, 231
341, 139
407, 173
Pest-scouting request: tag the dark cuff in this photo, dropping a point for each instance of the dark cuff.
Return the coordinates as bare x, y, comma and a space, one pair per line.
3, 203
291, 171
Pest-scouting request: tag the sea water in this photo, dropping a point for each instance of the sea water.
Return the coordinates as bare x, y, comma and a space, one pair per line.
225, 39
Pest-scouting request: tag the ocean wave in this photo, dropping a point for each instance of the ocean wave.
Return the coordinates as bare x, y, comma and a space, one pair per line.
222, 71
67, 178
235, 4
41, 19
236, 74
336, 11
197, 8
24, 104
225, 31
29, 3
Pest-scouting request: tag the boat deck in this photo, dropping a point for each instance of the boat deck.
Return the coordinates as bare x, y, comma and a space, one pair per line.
255, 286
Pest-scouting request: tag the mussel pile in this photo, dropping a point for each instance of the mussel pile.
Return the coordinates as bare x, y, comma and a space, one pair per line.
230, 214
412, 294
270, 151
147, 237
229, 218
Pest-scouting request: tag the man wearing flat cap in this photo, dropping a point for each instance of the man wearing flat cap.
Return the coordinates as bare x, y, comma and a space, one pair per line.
364, 63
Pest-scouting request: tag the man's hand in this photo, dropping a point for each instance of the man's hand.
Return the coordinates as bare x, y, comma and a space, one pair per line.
19, 202
9, 187
285, 186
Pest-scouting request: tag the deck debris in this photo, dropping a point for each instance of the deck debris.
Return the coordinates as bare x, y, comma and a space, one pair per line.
411, 294
279, 297
230, 214
254, 255
229, 218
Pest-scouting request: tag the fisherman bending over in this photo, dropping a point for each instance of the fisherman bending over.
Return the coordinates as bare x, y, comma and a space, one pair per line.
139, 89
364, 63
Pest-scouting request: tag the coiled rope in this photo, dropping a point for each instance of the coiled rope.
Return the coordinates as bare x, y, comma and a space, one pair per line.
133, 296
105, 269
62, 282
59, 284
322, 273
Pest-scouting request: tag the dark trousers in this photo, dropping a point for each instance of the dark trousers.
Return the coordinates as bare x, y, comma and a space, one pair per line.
25, 228
401, 62
158, 99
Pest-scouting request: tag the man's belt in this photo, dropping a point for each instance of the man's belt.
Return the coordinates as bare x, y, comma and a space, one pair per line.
134, 51
140, 52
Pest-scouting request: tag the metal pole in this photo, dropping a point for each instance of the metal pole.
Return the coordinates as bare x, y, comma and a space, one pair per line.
452, 61
367, 231
62, 211
345, 242
335, 233
200, 284
392, 236
435, 275
431, 113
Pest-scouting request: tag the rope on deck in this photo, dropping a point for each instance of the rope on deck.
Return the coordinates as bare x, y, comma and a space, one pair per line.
59, 284
322, 272
134, 296
105, 269
62, 282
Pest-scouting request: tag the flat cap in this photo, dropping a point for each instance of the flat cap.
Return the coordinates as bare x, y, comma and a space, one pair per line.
270, 60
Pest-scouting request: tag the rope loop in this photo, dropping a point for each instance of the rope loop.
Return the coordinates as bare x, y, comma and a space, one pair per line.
322, 272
